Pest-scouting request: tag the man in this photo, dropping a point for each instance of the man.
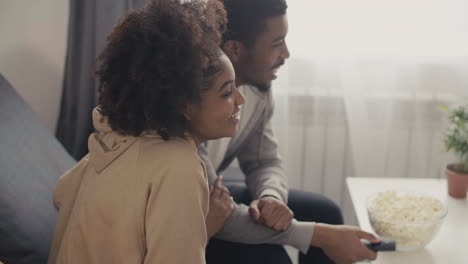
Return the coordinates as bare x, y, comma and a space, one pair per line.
255, 43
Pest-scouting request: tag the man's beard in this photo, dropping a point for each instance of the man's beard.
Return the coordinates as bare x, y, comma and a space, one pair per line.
262, 86
265, 86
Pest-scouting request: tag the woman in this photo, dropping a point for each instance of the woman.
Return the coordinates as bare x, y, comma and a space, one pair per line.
141, 194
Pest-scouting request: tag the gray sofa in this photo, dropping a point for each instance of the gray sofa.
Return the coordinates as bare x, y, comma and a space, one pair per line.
31, 161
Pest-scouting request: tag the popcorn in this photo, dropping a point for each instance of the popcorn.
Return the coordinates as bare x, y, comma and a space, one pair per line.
411, 219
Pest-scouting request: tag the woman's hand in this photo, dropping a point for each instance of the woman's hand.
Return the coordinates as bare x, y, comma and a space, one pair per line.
343, 243
221, 206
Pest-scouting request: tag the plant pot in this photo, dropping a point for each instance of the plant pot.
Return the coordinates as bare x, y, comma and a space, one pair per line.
457, 183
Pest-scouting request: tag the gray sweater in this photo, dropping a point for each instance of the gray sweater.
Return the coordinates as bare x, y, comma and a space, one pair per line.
257, 151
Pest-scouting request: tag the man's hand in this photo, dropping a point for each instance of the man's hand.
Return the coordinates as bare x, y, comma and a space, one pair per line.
343, 243
221, 206
271, 212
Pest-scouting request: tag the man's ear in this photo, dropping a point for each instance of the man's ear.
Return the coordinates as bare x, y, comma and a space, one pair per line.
234, 49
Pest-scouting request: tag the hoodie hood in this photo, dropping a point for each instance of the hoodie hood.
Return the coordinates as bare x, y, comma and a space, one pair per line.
105, 145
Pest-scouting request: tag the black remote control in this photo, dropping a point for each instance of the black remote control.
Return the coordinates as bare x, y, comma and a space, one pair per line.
383, 245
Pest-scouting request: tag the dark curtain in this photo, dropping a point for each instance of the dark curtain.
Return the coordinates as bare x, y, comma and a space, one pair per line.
89, 24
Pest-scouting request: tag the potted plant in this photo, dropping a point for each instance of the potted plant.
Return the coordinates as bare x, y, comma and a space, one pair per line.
456, 141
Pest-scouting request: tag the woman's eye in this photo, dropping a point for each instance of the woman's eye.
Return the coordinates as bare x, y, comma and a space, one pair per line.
227, 94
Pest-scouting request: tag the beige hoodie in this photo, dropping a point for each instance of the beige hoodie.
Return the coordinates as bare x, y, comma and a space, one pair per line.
132, 200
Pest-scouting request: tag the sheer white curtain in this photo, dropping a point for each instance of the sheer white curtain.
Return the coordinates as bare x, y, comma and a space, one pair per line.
358, 96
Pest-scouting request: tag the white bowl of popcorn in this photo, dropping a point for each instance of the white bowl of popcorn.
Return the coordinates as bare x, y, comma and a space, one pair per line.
411, 219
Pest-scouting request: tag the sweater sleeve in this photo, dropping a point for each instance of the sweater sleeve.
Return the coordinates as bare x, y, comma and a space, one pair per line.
260, 161
241, 228
175, 216
210, 171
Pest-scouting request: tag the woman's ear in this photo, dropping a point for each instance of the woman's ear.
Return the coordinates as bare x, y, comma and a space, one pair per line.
189, 111
234, 50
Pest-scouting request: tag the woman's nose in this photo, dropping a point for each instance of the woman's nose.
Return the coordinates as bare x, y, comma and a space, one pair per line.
240, 98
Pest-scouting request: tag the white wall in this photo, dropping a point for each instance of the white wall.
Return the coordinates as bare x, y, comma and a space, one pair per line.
33, 36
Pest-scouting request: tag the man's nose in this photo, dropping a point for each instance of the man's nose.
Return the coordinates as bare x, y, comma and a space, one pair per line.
286, 53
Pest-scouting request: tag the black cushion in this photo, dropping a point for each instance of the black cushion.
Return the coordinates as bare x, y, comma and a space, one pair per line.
31, 161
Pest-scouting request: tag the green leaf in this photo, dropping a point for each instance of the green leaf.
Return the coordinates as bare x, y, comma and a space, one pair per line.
456, 136
443, 108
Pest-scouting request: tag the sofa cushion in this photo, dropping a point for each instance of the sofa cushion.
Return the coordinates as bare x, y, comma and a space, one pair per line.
31, 161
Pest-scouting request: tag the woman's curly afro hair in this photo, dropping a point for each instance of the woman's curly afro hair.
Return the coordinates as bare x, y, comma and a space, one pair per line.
156, 60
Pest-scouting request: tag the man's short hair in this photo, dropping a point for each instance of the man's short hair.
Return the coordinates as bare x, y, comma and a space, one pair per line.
246, 18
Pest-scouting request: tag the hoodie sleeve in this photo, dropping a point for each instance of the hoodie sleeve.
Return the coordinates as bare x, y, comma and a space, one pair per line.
176, 211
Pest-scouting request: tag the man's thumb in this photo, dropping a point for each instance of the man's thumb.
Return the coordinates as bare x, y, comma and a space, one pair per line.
368, 236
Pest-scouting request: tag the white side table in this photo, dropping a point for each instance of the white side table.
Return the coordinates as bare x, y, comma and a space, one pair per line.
450, 246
